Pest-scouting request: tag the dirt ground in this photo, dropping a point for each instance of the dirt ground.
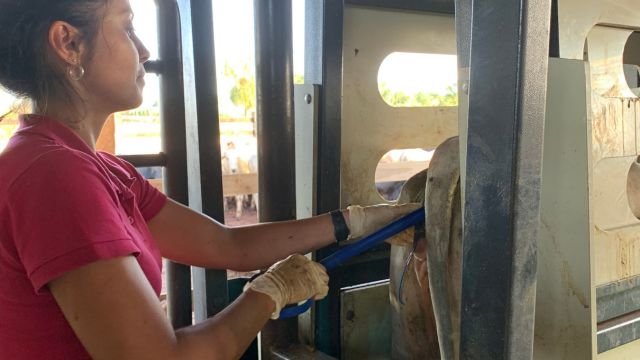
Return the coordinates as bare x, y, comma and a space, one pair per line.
248, 217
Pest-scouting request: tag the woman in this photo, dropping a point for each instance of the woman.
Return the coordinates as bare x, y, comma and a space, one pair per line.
82, 233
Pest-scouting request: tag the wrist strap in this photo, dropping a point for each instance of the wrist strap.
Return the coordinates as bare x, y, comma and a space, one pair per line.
340, 229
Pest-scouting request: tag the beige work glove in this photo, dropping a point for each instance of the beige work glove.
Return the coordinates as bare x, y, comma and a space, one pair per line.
364, 220
291, 281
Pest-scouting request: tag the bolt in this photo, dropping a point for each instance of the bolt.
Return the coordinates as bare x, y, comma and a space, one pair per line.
465, 87
308, 98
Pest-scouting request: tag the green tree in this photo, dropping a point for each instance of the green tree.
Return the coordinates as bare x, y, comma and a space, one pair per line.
385, 92
400, 99
450, 98
298, 79
393, 98
243, 93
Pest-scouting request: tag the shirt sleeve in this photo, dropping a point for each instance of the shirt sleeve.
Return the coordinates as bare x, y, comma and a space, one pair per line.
149, 199
65, 214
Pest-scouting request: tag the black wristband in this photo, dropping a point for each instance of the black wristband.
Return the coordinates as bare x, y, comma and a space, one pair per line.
340, 229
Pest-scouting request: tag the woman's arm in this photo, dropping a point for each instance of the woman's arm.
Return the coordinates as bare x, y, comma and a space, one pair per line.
116, 315
186, 236
189, 237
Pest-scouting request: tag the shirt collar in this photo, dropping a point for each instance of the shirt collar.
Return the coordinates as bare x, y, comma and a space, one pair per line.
64, 136
53, 129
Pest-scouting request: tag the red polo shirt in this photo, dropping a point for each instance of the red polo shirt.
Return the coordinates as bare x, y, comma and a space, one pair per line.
62, 206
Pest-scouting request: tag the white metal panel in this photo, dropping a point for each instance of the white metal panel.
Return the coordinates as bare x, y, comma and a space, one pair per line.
577, 17
370, 127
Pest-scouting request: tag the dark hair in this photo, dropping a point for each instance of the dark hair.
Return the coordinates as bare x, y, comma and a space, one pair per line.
26, 69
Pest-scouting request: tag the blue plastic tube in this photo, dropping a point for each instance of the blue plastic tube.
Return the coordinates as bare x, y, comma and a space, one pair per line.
343, 255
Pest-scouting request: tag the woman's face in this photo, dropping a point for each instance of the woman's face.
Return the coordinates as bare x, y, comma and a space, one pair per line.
114, 76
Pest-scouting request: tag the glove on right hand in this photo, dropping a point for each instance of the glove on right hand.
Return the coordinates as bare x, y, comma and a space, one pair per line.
364, 220
290, 281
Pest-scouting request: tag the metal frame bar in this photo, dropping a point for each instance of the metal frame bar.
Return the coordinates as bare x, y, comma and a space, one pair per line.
172, 113
554, 35
188, 52
618, 309
210, 286
325, 43
437, 6
186, 49
618, 298
154, 67
618, 332
276, 135
159, 159
502, 195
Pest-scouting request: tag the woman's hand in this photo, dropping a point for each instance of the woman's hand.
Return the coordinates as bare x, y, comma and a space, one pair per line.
364, 220
290, 281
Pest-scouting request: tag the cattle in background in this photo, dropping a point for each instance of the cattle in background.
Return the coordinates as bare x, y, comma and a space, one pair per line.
240, 161
230, 166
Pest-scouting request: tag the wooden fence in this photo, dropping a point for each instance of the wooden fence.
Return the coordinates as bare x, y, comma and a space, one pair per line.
234, 184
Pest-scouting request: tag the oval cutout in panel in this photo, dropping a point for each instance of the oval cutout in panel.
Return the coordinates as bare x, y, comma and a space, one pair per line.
605, 53
610, 197
633, 188
631, 62
398, 165
418, 80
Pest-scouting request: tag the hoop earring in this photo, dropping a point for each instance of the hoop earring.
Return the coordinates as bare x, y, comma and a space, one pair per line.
75, 72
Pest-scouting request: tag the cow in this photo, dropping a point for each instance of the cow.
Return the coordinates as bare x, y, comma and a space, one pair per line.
230, 166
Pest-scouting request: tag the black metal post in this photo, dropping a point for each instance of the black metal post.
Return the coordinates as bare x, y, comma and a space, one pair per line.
204, 78
509, 56
323, 66
435, 6
145, 159
172, 113
276, 136
274, 91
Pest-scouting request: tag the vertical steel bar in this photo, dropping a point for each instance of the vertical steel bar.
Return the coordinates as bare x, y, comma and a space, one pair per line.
216, 294
276, 135
274, 106
323, 66
536, 15
509, 56
463, 41
330, 111
172, 113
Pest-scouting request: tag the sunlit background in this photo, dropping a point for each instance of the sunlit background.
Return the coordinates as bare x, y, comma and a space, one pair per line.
404, 80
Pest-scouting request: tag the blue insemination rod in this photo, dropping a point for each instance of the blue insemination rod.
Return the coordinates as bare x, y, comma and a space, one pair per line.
343, 255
